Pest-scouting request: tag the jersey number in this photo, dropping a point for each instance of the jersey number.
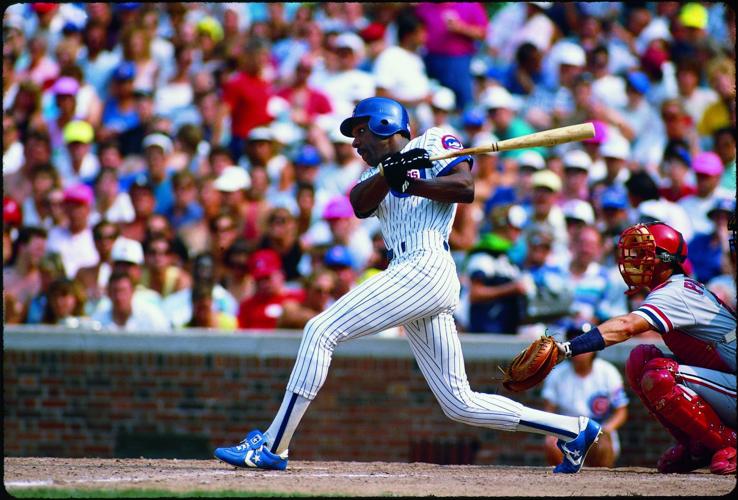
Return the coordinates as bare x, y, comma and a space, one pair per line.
694, 286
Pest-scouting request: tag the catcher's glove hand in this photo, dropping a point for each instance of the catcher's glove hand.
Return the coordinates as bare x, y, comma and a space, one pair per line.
395, 168
532, 365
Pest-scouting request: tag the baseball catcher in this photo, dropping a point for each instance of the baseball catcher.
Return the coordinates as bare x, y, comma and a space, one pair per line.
693, 394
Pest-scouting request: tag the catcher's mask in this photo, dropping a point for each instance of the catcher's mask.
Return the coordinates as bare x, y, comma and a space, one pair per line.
645, 251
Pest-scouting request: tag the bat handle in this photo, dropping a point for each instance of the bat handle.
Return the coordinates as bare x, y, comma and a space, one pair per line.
491, 148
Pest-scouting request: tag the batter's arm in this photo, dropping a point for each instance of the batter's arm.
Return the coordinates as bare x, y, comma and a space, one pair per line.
366, 196
457, 187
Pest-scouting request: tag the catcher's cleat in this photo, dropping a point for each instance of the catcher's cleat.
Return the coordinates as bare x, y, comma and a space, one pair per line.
575, 451
723, 461
252, 452
679, 460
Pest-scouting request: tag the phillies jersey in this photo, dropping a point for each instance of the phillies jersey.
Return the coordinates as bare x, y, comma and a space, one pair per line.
693, 322
413, 219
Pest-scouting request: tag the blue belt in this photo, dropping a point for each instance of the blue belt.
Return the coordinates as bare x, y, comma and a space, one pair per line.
391, 253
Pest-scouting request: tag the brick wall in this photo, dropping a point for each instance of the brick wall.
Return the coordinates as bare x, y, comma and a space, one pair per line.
87, 402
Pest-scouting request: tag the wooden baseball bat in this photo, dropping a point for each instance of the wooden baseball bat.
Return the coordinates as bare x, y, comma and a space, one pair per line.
545, 138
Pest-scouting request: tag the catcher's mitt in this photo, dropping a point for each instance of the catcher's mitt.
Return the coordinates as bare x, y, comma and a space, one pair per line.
532, 365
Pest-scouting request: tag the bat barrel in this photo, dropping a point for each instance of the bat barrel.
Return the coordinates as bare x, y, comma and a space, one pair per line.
545, 138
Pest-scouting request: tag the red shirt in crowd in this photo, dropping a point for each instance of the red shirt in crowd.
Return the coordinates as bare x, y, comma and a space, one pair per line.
263, 312
668, 194
247, 97
316, 103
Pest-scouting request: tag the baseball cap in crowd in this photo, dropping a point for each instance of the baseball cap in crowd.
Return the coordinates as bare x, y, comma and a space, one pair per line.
572, 55
125, 6
43, 7
12, 212
336, 137
616, 146
373, 32
547, 179
694, 15
508, 214
472, 118
600, 133
79, 193
444, 99
653, 211
127, 250
576, 159
260, 134
338, 256
498, 97
531, 159
614, 198
210, 26
540, 234
639, 81
142, 182
579, 210
124, 72
233, 178
351, 41
307, 156
65, 85
158, 139
339, 207
78, 131
263, 263
722, 205
707, 163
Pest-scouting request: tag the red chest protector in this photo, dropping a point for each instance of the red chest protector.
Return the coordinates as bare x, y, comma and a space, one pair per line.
694, 352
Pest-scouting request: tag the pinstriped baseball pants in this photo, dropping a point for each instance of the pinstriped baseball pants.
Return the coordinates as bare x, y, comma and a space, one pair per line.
420, 290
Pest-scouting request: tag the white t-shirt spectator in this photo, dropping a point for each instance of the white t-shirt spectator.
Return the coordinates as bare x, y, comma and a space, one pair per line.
696, 209
120, 211
76, 250
402, 73
595, 396
144, 317
13, 158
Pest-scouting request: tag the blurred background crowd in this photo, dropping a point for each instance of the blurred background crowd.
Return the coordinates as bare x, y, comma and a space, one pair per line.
174, 165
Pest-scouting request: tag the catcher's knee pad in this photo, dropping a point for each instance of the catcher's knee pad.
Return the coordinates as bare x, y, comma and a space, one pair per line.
636, 362
679, 407
658, 380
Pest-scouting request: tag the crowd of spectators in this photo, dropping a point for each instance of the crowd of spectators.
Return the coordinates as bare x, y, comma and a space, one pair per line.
179, 165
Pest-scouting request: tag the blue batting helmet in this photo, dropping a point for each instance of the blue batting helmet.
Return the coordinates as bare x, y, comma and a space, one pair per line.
385, 117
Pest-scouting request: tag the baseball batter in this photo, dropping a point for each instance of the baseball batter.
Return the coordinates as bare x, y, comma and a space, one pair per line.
415, 201
693, 395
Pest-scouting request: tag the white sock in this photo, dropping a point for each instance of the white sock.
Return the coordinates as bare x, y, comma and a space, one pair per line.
542, 422
284, 425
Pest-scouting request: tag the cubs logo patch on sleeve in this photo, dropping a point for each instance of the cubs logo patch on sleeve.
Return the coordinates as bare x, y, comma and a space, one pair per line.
451, 142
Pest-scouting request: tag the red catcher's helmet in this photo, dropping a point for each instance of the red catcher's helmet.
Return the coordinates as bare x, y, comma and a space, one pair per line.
645, 251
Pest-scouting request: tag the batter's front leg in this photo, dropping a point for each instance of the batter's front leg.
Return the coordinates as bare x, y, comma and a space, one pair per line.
437, 349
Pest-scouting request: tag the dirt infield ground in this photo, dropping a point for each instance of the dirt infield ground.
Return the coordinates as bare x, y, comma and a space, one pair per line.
355, 478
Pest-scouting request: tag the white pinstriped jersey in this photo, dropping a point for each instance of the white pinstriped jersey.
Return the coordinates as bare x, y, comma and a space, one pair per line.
406, 218
685, 305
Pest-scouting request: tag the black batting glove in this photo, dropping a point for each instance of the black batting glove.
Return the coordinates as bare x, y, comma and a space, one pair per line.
396, 167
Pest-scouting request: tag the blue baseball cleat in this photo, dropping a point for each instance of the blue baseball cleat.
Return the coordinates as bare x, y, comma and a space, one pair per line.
576, 451
252, 452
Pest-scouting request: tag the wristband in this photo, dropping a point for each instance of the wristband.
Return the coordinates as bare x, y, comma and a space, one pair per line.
567, 349
587, 342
